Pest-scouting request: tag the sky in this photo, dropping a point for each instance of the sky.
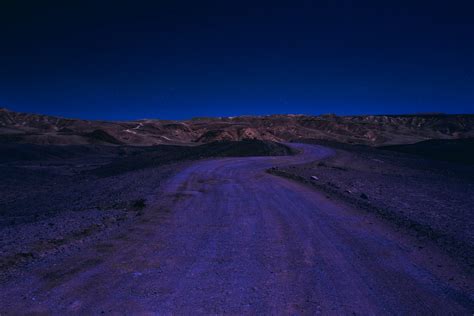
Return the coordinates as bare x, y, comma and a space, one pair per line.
121, 60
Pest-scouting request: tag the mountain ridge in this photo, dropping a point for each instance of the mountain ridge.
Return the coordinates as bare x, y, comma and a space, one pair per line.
374, 130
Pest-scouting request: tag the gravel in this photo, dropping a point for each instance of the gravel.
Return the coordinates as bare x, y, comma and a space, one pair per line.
435, 199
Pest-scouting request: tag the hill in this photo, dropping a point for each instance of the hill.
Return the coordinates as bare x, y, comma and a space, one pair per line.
371, 130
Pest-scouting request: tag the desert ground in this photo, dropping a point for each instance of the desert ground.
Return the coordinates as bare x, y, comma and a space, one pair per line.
236, 158
131, 230
282, 214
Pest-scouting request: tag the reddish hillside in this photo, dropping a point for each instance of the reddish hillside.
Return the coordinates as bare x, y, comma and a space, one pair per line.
368, 129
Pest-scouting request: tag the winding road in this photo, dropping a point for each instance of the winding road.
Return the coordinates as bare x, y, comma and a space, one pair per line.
226, 237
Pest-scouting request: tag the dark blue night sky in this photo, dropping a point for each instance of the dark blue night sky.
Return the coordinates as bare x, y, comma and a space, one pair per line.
180, 59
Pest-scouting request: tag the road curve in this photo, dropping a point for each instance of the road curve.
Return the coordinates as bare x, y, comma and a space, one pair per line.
226, 237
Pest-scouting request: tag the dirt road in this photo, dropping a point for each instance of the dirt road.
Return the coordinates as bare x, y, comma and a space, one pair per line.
226, 237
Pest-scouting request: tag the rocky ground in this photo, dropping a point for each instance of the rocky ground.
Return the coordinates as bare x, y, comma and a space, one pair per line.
433, 199
56, 199
44, 212
222, 236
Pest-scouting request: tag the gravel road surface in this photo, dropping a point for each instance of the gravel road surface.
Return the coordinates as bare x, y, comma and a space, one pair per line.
227, 237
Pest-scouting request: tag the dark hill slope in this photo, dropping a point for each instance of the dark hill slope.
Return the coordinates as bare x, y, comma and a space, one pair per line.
166, 154
454, 150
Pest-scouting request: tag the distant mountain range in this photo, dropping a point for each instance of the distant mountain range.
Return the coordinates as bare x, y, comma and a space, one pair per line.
364, 129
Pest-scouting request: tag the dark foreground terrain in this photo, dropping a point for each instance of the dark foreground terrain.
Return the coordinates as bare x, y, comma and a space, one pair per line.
56, 198
222, 235
431, 197
454, 150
